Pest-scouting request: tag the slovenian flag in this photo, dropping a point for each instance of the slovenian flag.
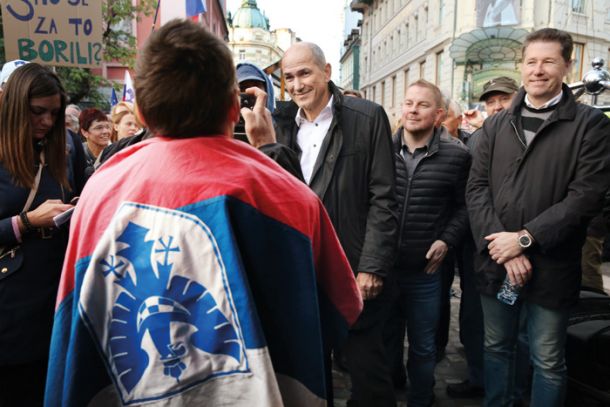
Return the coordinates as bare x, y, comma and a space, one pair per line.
213, 277
195, 7
129, 93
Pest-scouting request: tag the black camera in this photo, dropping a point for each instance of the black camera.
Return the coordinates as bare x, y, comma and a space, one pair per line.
245, 100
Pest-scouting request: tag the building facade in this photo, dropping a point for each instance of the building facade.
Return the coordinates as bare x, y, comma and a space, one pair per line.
214, 19
250, 38
350, 61
460, 44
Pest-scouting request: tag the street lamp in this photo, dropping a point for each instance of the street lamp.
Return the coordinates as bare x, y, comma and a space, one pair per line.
594, 82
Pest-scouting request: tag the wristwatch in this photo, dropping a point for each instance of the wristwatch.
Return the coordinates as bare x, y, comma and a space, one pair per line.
524, 240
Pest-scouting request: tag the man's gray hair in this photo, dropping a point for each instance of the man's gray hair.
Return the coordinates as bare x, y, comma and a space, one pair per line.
454, 107
316, 52
73, 106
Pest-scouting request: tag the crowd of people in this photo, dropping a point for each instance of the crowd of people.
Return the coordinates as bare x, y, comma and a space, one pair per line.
198, 269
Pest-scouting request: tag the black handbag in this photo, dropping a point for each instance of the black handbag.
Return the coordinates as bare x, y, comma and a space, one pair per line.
11, 257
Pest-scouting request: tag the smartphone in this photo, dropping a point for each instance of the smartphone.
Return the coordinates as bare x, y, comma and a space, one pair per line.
63, 217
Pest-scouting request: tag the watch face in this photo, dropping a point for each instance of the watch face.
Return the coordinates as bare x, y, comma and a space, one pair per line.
525, 241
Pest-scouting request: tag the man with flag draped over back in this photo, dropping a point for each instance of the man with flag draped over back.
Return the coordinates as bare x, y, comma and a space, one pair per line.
198, 271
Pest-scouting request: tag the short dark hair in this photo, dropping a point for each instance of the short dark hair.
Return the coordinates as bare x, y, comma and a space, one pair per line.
551, 35
88, 116
185, 81
436, 92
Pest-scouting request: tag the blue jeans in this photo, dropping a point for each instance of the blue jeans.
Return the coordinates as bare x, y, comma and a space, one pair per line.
546, 330
420, 300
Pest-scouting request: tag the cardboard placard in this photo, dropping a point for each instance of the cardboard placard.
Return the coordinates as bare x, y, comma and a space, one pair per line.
54, 32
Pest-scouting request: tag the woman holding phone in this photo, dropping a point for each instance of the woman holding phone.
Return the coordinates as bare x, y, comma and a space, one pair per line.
41, 171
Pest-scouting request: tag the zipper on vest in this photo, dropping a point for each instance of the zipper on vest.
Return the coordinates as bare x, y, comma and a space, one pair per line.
407, 196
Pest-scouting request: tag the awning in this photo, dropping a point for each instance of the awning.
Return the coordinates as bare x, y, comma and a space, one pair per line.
488, 44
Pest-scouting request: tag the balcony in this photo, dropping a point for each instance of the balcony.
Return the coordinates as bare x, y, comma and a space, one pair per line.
360, 5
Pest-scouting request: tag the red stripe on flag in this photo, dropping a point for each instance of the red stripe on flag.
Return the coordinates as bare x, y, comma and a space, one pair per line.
162, 173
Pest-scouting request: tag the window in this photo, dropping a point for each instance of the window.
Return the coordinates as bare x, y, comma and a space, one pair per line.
426, 15
422, 70
577, 58
439, 68
578, 6
393, 94
242, 54
441, 11
374, 93
406, 81
382, 93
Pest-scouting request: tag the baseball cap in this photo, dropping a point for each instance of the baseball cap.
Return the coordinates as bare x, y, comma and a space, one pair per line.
247, 72
8, 68
502, 84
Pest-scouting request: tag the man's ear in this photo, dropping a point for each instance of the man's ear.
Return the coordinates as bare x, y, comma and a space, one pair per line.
441, 115
233, 114
327, 72
568, 67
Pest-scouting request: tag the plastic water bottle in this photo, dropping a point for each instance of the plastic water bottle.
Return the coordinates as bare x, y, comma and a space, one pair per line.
509, 292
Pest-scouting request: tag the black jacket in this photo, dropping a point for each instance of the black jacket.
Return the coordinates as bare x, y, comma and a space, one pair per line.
432, 204
353, 176
27, 297
552, 188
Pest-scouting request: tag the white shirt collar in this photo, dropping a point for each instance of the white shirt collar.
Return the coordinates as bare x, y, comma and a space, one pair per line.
324, 114
550, 103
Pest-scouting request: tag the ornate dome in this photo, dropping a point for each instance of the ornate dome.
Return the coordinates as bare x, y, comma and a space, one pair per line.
249, 16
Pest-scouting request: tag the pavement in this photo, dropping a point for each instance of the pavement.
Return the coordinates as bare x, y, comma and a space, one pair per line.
452, 369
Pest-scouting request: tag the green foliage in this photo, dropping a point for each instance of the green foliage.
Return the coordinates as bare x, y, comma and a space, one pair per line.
119, 42
82, 86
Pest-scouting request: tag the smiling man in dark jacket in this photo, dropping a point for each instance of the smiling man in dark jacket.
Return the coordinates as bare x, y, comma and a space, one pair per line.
431, 173
342, 145
539, 174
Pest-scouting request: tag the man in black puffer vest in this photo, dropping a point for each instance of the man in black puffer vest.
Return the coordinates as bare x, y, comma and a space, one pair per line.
431, 174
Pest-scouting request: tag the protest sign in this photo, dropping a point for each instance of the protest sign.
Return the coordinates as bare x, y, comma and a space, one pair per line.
53, 32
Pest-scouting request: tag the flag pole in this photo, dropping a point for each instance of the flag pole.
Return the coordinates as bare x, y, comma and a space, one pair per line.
156, 15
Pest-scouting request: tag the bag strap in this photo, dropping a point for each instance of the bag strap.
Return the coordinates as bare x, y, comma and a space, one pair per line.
34, 189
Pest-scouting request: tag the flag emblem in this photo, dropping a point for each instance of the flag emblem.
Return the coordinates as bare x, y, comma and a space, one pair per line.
168, 317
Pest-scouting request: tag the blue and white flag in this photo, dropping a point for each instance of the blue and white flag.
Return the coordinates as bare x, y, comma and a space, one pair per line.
195, 7
129, 93
114, 99
212, 289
